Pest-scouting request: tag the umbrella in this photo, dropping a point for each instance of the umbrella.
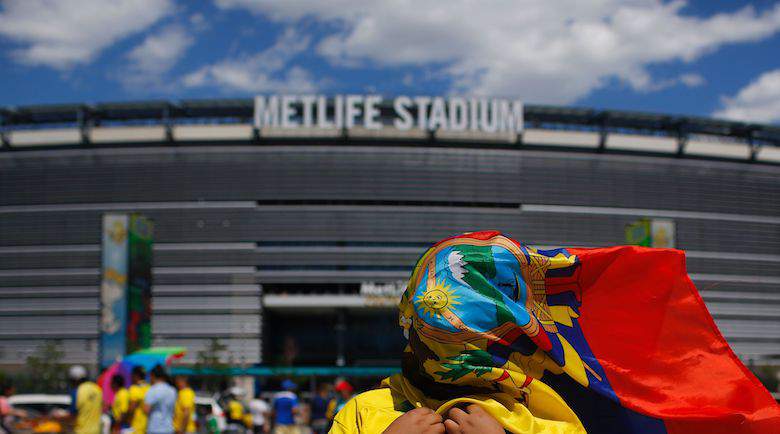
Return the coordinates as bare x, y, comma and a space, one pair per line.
147, 358
150, 357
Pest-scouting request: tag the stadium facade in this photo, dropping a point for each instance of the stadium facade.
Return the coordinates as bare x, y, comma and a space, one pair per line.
289, 245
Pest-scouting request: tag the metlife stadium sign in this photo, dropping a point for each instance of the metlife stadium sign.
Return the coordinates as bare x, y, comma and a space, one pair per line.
370, 112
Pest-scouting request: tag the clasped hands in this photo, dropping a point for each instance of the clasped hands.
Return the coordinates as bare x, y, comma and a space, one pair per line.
473, 420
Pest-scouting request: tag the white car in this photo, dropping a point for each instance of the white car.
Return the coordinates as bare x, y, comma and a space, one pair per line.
207, 407
42, 407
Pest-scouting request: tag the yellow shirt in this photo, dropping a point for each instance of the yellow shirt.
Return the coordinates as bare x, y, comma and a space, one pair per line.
236, 410
184, 401
369, 412
120, 405
137, 395
330, 412
89, 406
373, 411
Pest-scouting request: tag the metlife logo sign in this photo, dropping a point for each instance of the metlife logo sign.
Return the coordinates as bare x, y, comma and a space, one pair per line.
421, 112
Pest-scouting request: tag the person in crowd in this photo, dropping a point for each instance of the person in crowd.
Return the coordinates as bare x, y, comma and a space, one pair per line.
319, 408
184, 412
6, 411
159, 403
235, 409
285, 408
88, 404
119, 408
136, 394
345, 392
443, 387
259, 409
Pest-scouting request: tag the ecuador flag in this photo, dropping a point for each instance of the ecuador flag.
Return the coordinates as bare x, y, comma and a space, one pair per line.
609, 340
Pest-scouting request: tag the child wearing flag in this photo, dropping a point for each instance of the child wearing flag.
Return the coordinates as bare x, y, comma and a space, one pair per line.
503, 337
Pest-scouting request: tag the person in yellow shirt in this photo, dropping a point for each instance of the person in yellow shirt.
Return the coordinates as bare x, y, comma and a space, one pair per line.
184, 411
88, 404
464, 369
120, 405
136, 394
236, 413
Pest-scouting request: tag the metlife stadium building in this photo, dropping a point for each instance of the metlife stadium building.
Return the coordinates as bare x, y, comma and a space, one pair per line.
287, 230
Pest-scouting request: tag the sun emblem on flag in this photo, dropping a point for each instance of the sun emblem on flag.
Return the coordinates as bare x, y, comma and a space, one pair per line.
437, 298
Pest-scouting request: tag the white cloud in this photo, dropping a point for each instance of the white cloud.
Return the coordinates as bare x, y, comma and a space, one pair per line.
642, 81
64, 33
155, 56
759, 101
265, 71
198, 21
692, 80
551, 51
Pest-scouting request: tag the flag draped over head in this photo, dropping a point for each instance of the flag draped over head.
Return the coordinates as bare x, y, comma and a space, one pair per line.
612, 340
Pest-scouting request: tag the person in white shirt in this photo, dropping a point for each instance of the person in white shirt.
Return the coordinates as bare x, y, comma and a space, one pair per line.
260, 409
159, 403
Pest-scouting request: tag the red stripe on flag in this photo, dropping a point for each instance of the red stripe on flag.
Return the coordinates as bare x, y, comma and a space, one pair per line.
662, 353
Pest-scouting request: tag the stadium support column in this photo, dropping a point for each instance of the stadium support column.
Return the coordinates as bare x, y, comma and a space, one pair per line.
167, 118
4, 141
754, 147
261, 323
603, 133
682, 139
341, 337
84, 123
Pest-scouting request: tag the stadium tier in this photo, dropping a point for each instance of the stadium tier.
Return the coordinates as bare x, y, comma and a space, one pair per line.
290, 245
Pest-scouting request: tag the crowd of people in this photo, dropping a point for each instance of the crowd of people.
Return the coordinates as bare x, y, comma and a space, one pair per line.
155, 407
155, 403
287, 414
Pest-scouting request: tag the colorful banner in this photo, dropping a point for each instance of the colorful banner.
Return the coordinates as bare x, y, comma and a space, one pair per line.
139, 327
126, 286
663, 233
638, 233
647, 232
113, 289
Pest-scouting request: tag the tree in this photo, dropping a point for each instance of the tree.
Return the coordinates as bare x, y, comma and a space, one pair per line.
45, 368
210, 359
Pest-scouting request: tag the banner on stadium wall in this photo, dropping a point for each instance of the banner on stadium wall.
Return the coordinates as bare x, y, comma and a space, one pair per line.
487, 115
113, 289
382, 294
663, 233
648, 232
139, 300
125, 287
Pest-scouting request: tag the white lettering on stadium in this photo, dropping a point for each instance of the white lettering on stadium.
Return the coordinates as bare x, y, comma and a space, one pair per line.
425, 113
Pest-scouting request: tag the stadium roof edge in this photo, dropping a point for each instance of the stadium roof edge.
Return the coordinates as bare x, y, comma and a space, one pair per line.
241, 110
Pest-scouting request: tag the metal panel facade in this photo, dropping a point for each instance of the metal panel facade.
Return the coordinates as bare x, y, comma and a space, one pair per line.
230, 219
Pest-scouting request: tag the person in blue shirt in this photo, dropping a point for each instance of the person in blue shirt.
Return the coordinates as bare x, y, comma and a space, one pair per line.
285, 408
159, 403
319, 409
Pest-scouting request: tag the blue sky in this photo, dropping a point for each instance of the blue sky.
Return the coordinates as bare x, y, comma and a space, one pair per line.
708, 58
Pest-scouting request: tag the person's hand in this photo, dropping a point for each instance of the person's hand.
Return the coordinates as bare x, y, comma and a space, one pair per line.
421, 420
475, 420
